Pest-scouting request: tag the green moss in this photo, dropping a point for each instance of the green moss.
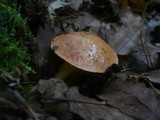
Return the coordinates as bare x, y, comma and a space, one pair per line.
14, 36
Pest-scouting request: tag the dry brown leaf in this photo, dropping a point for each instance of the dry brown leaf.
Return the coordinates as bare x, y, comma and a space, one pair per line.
141, 56
132, 98
138, 5
51, 92
43, 57
52, 88
81, 22
152, 76
92, 109
75, 4
123, 37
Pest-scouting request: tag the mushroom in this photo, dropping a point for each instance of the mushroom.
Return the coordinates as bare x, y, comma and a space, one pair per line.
85, 51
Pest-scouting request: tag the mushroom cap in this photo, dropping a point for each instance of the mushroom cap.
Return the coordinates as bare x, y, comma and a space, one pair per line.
85, 51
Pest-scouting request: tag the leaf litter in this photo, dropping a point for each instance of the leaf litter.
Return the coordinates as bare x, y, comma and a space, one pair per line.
123, 96
132, 97
132, 93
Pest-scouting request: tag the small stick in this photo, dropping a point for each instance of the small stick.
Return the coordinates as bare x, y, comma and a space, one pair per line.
28, 108
145, 47
78, 101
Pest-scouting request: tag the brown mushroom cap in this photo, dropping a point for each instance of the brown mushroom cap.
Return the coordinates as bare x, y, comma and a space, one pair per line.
85, 51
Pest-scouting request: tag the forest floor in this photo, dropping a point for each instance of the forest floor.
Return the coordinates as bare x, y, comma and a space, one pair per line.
129, 90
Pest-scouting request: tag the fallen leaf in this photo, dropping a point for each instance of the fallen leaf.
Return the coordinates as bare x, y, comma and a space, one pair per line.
91, 109
138, 5
52, 88
123, 37
55, 5
152, 76
43, 57
51, 92
83, 21
145, 56
132, 98
75, 4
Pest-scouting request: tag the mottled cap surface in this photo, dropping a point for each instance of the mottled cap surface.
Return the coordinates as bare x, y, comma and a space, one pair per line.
85, 51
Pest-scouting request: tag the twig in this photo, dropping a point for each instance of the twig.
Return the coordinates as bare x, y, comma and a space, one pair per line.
28, 108
143, 38
8, 103
145, 47
77, 101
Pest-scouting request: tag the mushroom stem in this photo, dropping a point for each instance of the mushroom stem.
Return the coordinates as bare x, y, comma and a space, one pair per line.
66, 70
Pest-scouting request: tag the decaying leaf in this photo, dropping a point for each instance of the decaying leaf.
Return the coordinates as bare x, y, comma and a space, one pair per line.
75, 4
52, 91
55, 5
138, 5
144, 56
91, 109
83, 21
123, 37
52, 88
132, 98
153, 25
43, 58
152, 76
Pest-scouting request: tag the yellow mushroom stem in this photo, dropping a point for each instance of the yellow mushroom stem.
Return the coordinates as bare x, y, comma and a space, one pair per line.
66, 70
